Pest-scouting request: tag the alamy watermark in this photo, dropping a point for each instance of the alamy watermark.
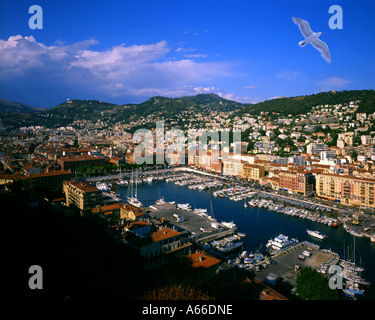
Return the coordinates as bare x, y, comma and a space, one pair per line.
36, 280
36, 20
175, 148
335, 281
336, 21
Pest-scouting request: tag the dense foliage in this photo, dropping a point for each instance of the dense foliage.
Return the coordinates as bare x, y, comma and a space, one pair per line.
303, 104
312, 285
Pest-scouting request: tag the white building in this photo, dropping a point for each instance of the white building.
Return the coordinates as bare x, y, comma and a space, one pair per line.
316, 148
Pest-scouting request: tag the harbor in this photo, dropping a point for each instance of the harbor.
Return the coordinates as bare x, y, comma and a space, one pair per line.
207, 218
283, 257
251, 196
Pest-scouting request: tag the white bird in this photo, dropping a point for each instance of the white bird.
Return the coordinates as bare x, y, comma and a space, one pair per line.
313, 38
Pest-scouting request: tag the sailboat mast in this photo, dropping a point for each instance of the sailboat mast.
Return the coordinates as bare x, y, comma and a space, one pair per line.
132, 182
211, 210
354, 251
136, 178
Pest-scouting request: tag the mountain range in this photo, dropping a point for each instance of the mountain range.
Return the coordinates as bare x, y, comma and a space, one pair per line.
17, 114
11, 106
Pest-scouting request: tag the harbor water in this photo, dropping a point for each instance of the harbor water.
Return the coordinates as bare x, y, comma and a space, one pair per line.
260, 224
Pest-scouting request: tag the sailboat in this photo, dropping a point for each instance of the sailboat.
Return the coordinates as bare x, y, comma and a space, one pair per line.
352, 275
245, 204
133, 200
211, 216
161, 199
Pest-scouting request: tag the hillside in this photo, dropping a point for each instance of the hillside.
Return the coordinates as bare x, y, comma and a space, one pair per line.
303, 104
84, 109
171, 108
12, 107
174, 106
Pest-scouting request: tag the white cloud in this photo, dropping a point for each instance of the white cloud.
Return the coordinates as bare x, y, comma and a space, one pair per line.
197, 55
139, 70
182, 49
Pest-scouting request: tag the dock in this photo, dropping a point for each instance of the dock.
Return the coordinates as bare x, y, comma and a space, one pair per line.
287, 262
192, 222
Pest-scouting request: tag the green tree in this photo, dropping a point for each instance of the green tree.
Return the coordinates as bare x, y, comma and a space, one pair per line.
312, 285
354, 155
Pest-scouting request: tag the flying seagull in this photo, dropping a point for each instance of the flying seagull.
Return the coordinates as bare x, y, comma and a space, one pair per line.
313, 38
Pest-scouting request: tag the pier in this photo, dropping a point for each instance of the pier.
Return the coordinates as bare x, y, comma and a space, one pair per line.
287, 262
192, 222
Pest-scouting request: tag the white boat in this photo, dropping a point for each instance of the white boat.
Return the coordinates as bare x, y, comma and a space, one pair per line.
316, 234
351, 266
354, 232
184, 206
133, 199
103, 186
160, 201
230, 246
134, 202
200, 211
229, 225
280, 243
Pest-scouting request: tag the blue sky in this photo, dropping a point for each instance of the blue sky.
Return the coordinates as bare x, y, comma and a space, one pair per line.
127, 51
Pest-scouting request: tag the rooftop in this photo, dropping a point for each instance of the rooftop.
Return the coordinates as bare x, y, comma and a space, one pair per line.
163, 234
83, 186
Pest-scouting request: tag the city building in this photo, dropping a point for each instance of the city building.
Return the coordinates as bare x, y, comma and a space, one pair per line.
346, 189
297, 181
233, 167
51, 180
161, 247
253, 172
131, 213
316, 148
73, 162
367, 140
82, 194
193, 269
139, 228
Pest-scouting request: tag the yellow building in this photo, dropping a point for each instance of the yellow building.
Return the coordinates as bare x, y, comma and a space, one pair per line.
82, 194
253, 172
348, 190
233, 167
130, 212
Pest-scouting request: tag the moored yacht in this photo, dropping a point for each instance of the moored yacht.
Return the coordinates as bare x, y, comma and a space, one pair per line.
280, 243
316, 234
134, 202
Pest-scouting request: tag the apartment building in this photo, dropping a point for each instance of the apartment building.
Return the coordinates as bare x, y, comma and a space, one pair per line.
161, 246
130, 213
297, 181
82, 194
253, 172
348, 190
316, 148
233, 167
47, 179
73, 162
